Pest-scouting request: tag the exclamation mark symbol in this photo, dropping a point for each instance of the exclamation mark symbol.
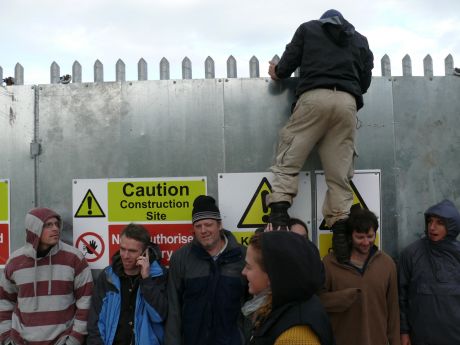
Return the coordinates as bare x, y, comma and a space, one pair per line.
263, 196
90, 201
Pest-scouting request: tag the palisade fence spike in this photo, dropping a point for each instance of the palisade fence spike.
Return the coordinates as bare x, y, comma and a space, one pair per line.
275, 59
407, 66
164, 69
231, 67
186, 68
449, 65
18, 74
142, 69
254, 68
428, 66
120, 71
386, 66
209, 68
76, 72
98, 72
55, 73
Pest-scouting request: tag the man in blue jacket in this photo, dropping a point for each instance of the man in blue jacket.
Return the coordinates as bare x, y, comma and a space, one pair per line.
129, 303
429, 281
335, 71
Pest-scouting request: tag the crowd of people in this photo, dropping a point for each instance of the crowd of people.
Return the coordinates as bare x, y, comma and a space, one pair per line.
277, 290
216, 291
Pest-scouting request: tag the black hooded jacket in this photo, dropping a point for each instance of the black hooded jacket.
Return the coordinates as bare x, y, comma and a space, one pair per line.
295, 272
330, 53
429, 283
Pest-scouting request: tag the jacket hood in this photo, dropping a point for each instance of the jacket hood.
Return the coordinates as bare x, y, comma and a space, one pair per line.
35, 219
446, 210
293, 266
337, 27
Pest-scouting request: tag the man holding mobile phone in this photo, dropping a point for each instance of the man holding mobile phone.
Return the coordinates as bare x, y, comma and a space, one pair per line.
129, 303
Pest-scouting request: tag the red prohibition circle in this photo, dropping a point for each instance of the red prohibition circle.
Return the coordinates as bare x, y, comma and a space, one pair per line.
85, 243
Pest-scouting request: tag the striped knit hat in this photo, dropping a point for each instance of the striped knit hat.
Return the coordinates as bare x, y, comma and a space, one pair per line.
204, 207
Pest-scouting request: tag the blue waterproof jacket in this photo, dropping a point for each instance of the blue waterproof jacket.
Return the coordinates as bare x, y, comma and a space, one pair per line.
150, 308
429, 283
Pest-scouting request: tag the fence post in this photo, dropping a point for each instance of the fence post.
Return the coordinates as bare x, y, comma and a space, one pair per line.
449, 65
18, 74
209, 69
55, 72
254, 68
275, 59
428, 66
76, 72
386, 66
120, 71
231, 67
98, 72
164, 69
407, 66
142, 71
186, 68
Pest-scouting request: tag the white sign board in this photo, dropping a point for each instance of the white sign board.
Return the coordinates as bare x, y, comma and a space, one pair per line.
366, 192
242, 201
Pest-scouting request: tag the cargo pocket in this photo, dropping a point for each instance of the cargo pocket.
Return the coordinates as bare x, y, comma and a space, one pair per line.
351, 171
284, 147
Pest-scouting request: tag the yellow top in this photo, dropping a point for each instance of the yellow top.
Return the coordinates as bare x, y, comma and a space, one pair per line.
298, 335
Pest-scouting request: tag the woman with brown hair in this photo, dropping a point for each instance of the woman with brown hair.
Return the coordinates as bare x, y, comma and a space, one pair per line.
284, 271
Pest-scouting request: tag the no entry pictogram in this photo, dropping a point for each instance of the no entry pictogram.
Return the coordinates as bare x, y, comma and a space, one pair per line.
91, 245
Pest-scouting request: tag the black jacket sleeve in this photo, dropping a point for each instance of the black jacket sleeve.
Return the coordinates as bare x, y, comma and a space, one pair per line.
99, 291
404, 275
154, 291
292, 56
368, 64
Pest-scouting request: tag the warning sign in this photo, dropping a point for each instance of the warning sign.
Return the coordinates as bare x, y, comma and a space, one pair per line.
257, 211
242, 202
366, 194
89, 207
4, 201
154, 200
4, 221
358, 201
103, 207
91, 245
169, 238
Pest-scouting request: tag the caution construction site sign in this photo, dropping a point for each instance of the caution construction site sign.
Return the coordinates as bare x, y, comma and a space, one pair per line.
4, 221
103, 207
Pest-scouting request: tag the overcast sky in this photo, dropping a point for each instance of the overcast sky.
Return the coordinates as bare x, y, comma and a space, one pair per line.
38, 32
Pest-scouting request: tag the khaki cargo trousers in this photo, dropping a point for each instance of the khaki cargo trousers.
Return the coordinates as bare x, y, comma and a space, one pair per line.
326, 118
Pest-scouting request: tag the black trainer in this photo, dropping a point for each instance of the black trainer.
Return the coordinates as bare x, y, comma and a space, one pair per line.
279, 217
339, 241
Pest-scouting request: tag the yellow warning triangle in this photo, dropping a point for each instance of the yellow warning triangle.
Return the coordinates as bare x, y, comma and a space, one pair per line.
89, 207
358, 201
256, 213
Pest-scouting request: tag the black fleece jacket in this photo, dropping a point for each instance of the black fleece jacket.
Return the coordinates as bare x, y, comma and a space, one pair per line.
330, 53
